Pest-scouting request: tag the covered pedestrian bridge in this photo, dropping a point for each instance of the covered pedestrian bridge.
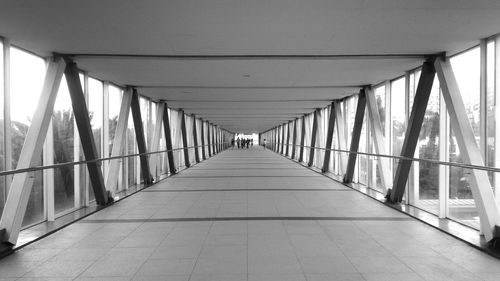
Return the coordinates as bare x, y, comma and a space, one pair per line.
375, 155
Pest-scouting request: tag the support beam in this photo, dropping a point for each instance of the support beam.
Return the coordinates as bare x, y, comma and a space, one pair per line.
378, 138
155, 141
413, 130
203, 152
82, 120
168, 140
195, 137
7, 130
341, 137
294, 138
356, 135
329, 138
209, 141
184, 139
282, 139
287, 138
141, 140
119, 141
214, 143
302, 134
312, 150
20, 189
480, 186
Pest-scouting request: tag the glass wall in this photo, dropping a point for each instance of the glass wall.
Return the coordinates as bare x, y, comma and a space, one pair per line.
443, 190
56, 192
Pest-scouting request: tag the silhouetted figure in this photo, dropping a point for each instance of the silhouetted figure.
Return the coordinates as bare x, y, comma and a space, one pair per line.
238, 142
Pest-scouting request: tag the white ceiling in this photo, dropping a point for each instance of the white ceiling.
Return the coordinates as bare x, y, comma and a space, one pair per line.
236, 93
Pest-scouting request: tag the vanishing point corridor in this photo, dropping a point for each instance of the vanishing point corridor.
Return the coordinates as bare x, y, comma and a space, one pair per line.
249, 214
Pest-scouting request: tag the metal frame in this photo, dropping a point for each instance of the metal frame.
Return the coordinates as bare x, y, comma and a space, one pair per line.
341, 136
282, 138
302, 133
479, 182
294, 138
118, 142
314, 133
203, 152
184, 139
195, 138
356, 134
287, 138
329, 138
168, 140
20, 189
139, 135
378, 138
155, 140
413, 130
209, 143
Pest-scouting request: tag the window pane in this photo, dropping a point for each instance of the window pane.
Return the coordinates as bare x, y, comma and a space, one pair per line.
466, 68
115, 99
3, 189
398, 111
63, 136
27, 73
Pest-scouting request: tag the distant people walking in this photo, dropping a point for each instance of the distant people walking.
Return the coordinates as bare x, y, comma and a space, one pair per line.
248, 142
265, 143
238, 142
232, 143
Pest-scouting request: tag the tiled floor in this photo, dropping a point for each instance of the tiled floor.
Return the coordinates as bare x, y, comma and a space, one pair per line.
249, 215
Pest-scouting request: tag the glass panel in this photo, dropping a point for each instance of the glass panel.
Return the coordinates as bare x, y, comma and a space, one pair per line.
63, 135
466, 68
427, 175
27, 73
96, 111
115, 99
3, 189
398, 111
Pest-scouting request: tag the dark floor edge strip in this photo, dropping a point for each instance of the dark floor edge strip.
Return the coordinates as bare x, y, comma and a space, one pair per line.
248, 219
232, 176
250, 189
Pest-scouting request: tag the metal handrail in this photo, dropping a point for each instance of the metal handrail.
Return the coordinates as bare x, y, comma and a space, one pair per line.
452, 164
59, 165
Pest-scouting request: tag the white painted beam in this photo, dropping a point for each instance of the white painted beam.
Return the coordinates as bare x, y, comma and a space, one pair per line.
155, 141
118, 142
341, 137
20, 189
378, 139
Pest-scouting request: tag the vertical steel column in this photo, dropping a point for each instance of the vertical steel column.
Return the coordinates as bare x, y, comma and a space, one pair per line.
412, 132
203, 154
294, 138
209, 141
356, 134
312, 150
168, 140
6, 113
139, 134
287, 138
329, 139
20, 189
282, 138
119, 140
195, 137
86, 136
184, 139
303, 134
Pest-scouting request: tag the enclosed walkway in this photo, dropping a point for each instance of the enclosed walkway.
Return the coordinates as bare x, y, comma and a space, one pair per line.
249, 214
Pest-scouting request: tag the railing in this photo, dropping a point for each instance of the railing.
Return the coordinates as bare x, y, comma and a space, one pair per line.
452, 164
59, 165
